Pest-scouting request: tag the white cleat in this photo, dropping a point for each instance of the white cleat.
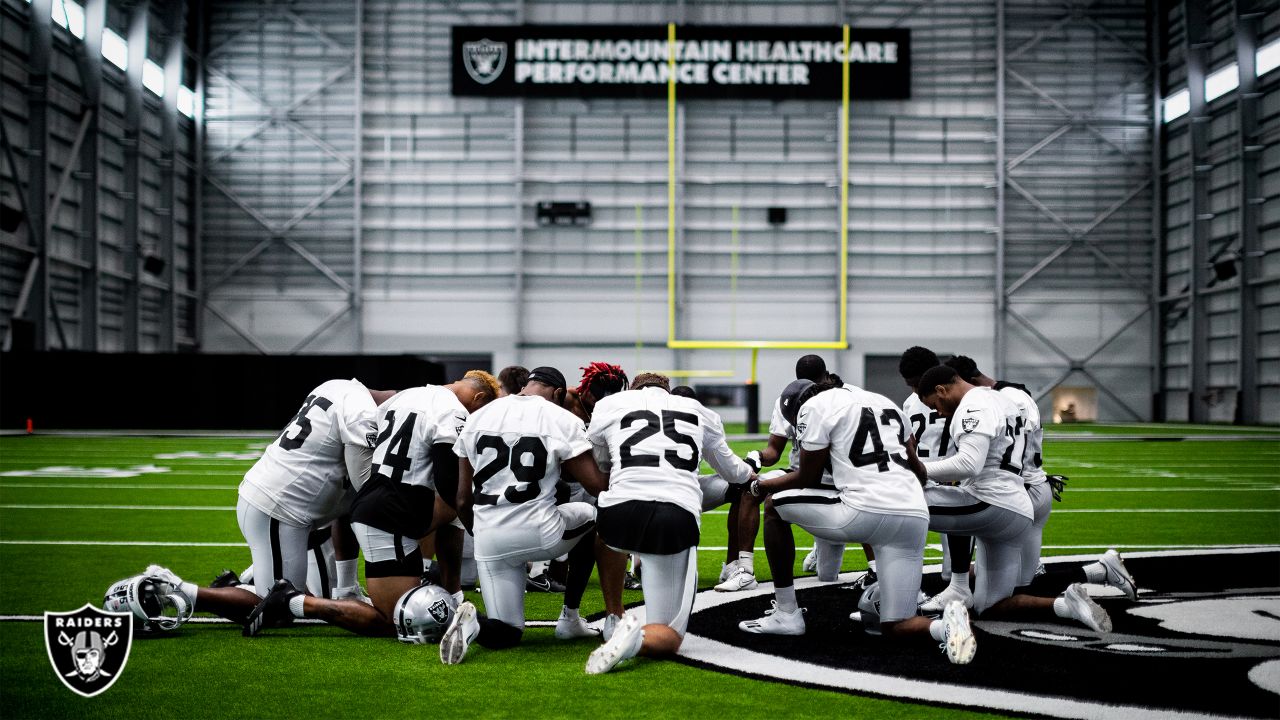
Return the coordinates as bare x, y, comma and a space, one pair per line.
741, 579
1118, 575
776, 622
624, 645
958, 640
571, 628
1085, 610
938, 602
608, 626
726, 569
457, 638
355, 592
810, 563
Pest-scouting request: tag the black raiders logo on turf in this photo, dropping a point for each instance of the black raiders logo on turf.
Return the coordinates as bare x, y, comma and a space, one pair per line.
1211, 638
439, 611
88, 647
484, 59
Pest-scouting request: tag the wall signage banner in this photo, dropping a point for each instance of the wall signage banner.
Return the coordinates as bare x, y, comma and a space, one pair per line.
712, 61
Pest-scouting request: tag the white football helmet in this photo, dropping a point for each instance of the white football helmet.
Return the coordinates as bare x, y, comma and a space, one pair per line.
155, 603
869, 606
422, 614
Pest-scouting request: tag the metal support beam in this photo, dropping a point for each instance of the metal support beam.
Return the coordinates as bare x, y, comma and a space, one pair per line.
136, 37
1155, 39
95, 16
356, 301
517, 288
196, 282
40, 43
174, 40
1196, 44
1248, 410
1001, 295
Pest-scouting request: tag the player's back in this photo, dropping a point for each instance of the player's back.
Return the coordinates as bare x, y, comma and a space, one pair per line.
932, 431
408, 425
516, 445
866, 436
652, 442
988, 412
300, 477
1030, 439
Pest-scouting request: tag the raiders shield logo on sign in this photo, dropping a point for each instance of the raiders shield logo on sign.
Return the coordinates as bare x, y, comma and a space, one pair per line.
484, 60
88, 647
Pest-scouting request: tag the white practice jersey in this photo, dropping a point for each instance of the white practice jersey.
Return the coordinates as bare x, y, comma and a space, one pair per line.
933, 433
515, 445
983, 411
408, 425
1029, 442
866, 434
779, 426
651, 443
301, 478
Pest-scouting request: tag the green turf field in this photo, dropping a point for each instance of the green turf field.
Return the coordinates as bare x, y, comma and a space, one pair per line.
71, 523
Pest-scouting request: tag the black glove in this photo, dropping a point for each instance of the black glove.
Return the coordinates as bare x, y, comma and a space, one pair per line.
1056, 484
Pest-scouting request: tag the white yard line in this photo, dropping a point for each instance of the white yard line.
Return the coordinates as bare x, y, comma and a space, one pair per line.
116, 486
222, 621
852, 548
201, 508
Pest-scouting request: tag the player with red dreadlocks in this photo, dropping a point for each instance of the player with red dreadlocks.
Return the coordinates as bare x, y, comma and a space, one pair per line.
600, 380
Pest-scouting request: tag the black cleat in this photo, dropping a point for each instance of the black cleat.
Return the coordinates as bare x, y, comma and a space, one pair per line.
631, 582
432, 575
273, 611
543, 583
228, 578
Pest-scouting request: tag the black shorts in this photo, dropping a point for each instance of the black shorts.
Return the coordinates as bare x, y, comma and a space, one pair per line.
647, 526
398, 509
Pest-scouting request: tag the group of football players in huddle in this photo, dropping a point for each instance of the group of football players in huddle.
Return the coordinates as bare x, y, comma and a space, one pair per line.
534, 470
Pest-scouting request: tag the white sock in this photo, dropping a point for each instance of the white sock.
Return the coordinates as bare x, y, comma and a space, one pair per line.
1094, 572
1060, 607
295, 605
960, 581
568, 613
937, 630
190, 590
871, 564
747, 560
457, 598
347, 573
786, 598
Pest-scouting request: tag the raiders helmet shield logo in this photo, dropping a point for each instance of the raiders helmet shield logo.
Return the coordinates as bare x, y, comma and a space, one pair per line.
969, 424
484, 60
439, 611
88, 647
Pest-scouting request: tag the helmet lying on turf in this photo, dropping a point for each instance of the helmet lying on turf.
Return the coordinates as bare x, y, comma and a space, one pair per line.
422, 614
869, 606
156, 604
